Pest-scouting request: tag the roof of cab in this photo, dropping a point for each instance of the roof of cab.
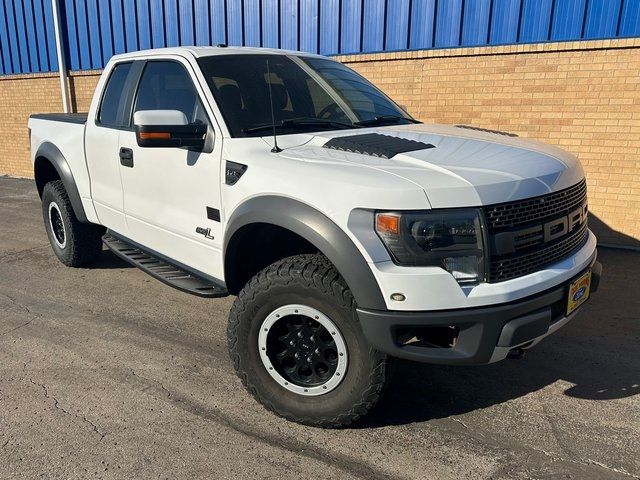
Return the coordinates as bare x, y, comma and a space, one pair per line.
209, 51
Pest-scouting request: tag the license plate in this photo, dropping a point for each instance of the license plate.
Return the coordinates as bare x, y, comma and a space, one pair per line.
579, 291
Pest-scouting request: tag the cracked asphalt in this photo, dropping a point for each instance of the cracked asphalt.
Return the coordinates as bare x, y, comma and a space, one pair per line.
107, 373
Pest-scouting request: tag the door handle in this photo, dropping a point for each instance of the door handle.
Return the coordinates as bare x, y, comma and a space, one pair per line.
126, 157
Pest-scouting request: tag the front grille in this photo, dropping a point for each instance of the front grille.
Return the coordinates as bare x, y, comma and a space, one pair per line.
512, 267
523, 219
507, 215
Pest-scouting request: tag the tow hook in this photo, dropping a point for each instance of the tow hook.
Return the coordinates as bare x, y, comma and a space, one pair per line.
516, 353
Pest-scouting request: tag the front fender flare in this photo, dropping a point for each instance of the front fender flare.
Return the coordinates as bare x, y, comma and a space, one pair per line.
320, 231
51, 153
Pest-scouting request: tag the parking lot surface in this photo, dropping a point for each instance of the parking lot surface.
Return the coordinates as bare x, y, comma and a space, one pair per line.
108, 373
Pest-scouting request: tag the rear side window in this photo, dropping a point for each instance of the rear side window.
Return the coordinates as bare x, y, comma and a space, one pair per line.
114, 94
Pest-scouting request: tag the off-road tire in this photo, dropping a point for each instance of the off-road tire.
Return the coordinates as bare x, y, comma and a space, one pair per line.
313, 281
82, 241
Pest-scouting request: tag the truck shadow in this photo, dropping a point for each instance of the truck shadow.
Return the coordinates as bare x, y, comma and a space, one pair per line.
594, 357
108, 260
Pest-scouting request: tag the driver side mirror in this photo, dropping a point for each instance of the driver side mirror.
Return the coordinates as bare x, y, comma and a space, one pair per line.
168, 128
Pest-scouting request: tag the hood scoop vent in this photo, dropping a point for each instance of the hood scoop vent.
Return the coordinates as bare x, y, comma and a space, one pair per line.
375, 145
488, 130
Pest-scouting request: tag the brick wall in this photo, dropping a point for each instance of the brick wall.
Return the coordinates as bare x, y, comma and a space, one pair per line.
582, 96
22, 95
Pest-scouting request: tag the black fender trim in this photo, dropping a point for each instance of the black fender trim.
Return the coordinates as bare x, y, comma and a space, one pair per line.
320, 231
51, 153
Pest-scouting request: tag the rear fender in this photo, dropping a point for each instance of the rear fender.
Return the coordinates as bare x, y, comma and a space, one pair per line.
48, 152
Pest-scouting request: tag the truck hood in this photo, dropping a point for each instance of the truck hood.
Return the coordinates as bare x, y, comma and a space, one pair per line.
466, 167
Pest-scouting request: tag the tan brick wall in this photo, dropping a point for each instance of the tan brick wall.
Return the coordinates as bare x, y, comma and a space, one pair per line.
22, 95
582, 96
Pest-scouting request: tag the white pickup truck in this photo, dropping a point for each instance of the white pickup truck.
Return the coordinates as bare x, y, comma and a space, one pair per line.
350, 233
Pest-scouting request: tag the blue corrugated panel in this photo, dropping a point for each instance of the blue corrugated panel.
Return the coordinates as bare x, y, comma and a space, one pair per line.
32, 39
505, 20
171, 23
476, 15
448, 16
270, 16
234, 22
351, 18
397, 25
7, 67
252, 24
117, 29
422, 23
218, 22
129, 27
51, 43
157, 23
185, 8
309, 25
373, 23
94, 34
329, 27
289, 24
70, 14
105, 29
568, 18
630, 19
144, 25
83, 34
203, 29
535, 21
23, 46
41, 35
602, 18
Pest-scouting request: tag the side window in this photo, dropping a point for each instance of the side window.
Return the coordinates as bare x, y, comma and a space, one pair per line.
168, 86
114, 93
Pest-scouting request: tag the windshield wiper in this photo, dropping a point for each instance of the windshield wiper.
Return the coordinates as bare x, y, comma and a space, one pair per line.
301, 122
382, 119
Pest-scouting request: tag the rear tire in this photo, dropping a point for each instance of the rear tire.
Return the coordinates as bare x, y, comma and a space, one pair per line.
74, 243
300, 310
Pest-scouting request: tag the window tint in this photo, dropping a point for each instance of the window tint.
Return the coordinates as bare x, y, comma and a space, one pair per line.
168, 86
113, 95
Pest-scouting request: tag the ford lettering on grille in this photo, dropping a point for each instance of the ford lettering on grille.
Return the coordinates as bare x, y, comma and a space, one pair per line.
528, 235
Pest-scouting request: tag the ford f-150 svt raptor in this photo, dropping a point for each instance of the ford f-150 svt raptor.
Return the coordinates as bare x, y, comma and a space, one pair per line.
350, 233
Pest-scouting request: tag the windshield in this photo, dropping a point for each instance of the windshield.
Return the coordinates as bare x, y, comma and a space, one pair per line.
309, 94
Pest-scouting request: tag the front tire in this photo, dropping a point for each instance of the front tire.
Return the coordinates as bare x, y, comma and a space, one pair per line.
297, 345
74, 243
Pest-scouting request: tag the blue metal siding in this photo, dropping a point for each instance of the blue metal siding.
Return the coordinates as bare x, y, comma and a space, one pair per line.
94, 30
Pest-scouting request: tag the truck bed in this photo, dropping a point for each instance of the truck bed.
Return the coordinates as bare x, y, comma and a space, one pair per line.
80, 118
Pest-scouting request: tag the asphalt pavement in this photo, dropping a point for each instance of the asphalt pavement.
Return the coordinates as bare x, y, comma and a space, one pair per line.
108, 373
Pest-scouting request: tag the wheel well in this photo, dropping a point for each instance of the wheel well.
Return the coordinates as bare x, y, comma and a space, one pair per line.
254, 247
44, 172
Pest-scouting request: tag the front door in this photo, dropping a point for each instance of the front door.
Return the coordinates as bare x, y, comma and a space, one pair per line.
172, 199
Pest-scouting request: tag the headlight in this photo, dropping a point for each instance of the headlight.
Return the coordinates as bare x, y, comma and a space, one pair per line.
451, 239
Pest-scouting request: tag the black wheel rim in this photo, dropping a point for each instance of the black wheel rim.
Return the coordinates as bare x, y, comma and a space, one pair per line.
302, 350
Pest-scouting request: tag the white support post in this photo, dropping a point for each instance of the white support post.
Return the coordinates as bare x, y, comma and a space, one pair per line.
62, 66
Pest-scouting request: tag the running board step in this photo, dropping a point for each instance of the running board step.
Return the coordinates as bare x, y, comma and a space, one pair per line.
166, 272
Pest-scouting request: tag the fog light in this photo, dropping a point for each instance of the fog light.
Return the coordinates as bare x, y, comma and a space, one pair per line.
398, 297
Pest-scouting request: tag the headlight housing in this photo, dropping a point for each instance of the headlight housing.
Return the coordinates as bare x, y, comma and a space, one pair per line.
451, 239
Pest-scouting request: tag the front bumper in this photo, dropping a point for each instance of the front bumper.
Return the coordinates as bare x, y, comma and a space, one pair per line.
479, 335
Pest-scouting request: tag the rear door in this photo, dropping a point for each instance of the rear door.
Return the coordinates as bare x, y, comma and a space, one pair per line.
102, 143
172, 197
